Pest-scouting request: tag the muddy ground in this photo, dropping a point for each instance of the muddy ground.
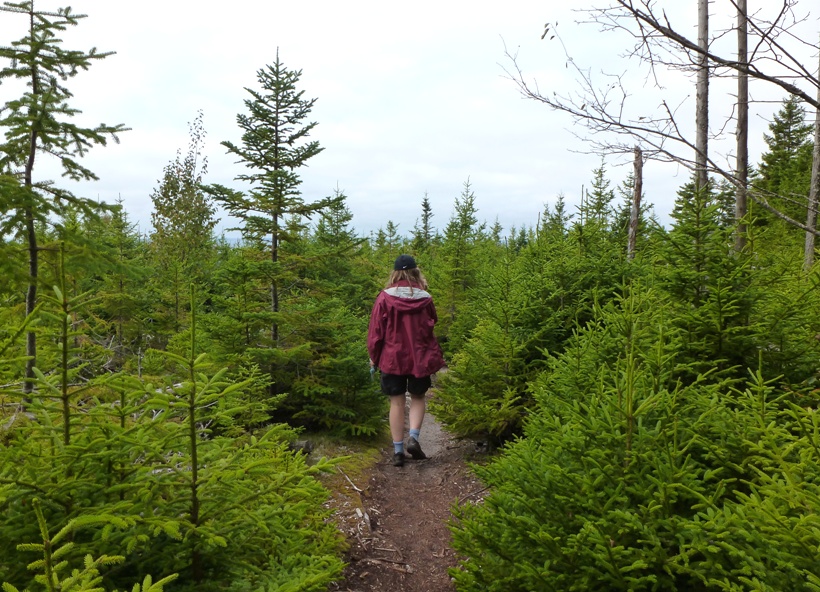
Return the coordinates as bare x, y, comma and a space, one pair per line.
396, 522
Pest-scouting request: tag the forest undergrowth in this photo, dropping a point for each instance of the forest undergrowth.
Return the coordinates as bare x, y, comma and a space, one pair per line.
649, 405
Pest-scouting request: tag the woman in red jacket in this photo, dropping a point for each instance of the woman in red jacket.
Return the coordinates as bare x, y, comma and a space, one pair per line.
402, 346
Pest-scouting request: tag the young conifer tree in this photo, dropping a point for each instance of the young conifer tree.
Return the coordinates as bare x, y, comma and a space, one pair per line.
456, 267
275, 143
710, 288
39, 123
423, 232
785, 168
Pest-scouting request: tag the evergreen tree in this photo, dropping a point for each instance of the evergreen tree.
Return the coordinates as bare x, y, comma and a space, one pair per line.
483, 393
39, 123
456, 270
239, 297
599, 200
145, 468
423, 231
274, 145
627, 479
123, 301
104, 256
392, 237
709, 285
620, 224
338, 262
785, 171
596, 221
387, 245
333, 391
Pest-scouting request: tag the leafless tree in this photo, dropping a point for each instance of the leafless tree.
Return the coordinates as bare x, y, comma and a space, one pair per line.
635, 212
603, 108
742, 157
814, 194
702, 98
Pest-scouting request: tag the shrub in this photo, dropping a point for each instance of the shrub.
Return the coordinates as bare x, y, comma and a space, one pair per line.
626, 480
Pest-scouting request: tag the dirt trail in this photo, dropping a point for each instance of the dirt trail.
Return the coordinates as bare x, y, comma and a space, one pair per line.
401, 540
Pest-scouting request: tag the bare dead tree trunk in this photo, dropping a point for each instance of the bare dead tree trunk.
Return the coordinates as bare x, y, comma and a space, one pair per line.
814, 194
742, 173
702, 98
635, 213
601, 109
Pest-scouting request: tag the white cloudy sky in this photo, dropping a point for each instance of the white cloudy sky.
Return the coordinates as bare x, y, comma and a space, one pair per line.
412, 99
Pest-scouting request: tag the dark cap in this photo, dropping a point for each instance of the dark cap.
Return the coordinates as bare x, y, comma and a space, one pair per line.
404, 262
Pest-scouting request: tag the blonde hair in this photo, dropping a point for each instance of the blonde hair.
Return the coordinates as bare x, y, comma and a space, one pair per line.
414, 276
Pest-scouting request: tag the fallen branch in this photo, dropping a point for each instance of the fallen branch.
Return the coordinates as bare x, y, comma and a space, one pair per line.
397, 551
395, 565
353, 485
469, 495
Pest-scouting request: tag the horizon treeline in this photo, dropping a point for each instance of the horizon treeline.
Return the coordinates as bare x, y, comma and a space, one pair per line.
652, 409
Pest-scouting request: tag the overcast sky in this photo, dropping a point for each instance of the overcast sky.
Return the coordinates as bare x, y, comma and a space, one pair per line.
412, 99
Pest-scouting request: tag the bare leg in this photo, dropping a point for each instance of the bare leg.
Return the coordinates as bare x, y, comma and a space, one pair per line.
397, 404
418, 405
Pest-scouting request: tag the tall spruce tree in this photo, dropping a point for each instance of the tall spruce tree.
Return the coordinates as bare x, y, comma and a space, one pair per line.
785, 170
709, 285
275, 143
600, 197
423, 231
39, 123
457, 269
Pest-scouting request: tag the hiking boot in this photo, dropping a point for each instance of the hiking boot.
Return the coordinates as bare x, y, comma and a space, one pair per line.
414, 449
398, 459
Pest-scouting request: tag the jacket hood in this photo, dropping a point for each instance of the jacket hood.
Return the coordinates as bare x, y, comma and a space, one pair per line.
407, 298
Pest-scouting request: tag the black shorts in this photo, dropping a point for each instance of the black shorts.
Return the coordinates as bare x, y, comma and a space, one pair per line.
395, 384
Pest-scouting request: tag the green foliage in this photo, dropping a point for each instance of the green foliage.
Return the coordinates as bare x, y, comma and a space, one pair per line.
784, 174
183, 220
337, 260
87, 579
218, 510
788, 330
122, 303
335, 393
711, 288
629, 480
272, 214
38, 123
483, 393
423, 232
457, 266
39, 118
597, 202
525, 300
647, 457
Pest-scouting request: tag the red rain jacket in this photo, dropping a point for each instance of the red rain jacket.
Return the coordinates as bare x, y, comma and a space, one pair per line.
400, 338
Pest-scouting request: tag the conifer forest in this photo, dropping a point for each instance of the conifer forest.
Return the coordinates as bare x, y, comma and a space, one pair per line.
648, 389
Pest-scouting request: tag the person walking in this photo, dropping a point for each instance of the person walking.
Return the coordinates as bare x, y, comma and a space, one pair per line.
403, 347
